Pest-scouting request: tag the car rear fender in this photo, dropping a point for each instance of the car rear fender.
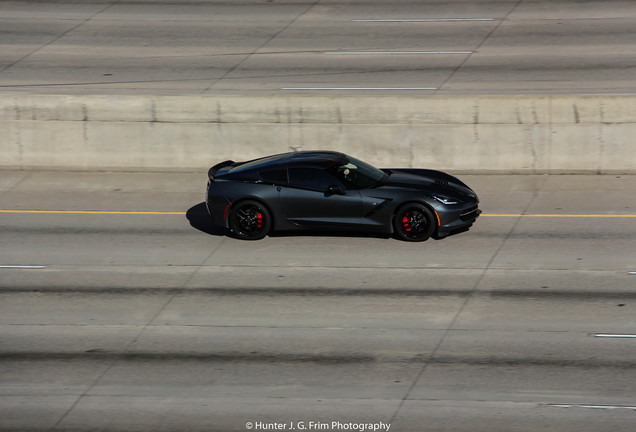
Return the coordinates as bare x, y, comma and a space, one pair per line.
247, 198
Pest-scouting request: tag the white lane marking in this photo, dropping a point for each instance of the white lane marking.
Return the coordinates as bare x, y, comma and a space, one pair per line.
359, 88
22, 266
395, 52
632, 273
607, 407
609, 335
423, 20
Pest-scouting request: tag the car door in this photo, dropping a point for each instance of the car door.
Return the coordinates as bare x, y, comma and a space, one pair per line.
314, 197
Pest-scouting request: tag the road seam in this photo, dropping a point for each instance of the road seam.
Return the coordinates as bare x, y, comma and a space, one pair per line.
442, 339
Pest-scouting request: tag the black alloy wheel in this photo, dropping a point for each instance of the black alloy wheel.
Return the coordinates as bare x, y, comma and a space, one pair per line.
414, 222
250, 220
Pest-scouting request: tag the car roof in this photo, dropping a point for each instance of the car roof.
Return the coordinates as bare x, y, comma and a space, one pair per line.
303, 159
316, 158
320, 159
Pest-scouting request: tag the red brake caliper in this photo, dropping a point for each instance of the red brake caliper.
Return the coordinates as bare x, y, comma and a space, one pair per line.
259, 220
405, 222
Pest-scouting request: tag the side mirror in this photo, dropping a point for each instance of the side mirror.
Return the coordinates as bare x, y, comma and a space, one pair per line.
335, 190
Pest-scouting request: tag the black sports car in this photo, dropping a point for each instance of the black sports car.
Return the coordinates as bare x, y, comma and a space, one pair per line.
330, 190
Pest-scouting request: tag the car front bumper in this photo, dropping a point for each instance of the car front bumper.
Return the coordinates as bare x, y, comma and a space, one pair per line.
457, 219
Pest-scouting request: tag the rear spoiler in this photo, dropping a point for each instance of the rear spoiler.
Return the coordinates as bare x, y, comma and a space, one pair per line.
212, 171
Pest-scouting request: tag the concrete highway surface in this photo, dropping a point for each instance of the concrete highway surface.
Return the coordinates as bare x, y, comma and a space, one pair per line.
123, 309
327, 47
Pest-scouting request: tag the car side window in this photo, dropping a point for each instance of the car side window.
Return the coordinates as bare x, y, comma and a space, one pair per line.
313, 178
275, 176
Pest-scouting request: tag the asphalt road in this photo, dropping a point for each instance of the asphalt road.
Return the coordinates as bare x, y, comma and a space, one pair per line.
327, 47
133, 313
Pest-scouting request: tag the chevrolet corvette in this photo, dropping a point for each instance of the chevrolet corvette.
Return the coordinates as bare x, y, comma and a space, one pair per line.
315, 190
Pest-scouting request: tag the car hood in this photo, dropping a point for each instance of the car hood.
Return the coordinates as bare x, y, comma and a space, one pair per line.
432, 181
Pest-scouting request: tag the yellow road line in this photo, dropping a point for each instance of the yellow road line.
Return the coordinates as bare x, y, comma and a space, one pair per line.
113, 212
122, 212
563, 215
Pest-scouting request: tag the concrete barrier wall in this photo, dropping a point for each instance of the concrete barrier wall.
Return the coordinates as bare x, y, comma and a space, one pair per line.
499, 134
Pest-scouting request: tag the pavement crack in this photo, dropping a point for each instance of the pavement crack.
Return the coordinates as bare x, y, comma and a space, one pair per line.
430, 358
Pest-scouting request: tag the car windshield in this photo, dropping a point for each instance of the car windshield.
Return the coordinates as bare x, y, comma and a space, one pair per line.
358, 174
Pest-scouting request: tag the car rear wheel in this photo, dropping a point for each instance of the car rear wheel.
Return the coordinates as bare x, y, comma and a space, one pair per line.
250, 220
414, 222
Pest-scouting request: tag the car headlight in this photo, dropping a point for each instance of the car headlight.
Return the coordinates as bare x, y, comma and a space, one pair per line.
445, 200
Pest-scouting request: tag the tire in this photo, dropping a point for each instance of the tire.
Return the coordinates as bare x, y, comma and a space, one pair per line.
414, 222
250, 220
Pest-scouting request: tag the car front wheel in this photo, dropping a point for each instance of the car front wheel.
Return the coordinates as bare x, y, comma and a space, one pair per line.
414, 222
250, 220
